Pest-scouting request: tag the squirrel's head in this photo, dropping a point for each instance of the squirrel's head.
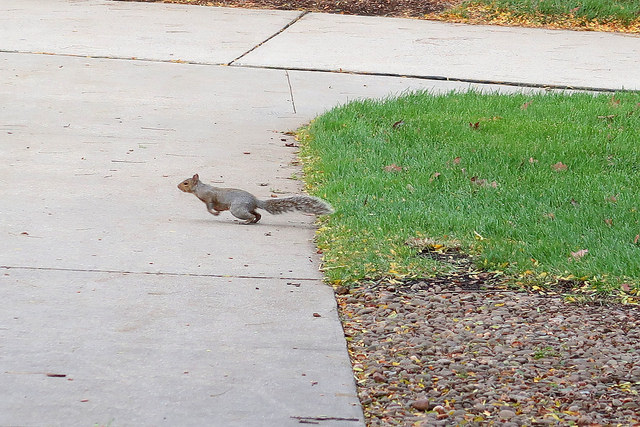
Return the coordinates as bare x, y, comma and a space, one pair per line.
189, 184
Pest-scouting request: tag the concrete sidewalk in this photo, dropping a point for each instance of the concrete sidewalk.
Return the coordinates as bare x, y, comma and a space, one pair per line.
124, 301
294, 40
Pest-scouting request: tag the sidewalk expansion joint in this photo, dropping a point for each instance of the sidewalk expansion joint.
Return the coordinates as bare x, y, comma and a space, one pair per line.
339, 71
277, 33
115, 58
444, 78
158, 273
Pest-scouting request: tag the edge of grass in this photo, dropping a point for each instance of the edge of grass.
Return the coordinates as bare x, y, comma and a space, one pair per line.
392, 258
586, 15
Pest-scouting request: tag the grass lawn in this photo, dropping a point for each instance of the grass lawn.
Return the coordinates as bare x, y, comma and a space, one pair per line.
541, 187
607, 15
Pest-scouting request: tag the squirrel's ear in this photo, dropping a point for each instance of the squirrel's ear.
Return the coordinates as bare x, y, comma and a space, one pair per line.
196, 177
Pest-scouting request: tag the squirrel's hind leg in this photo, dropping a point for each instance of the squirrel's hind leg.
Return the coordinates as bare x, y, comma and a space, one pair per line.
242, 212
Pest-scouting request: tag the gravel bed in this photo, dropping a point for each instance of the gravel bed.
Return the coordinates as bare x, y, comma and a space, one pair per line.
428, 356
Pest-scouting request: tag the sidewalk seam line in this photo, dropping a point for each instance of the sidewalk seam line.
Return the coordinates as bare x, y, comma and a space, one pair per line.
444, 78
356, 73
151, 273
277, 33
116, 58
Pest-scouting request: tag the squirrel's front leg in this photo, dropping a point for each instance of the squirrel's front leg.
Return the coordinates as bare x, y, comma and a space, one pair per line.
212, 210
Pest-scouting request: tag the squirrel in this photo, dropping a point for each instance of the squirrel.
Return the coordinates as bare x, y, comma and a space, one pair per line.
243, 204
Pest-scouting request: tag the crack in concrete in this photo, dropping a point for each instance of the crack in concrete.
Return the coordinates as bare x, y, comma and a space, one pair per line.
159, 273
293, 102
277, 33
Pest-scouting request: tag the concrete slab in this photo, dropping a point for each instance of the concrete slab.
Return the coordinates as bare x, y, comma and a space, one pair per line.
95, 149
424, 48
113, 349
158, 31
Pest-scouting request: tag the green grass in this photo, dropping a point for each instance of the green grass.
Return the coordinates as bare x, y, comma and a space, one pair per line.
414, 167
606, 15
625, 11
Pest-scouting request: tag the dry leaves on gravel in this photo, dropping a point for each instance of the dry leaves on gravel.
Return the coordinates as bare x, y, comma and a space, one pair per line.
425, 355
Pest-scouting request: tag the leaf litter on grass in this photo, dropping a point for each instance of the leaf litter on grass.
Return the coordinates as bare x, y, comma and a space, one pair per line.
521, 192
590, 15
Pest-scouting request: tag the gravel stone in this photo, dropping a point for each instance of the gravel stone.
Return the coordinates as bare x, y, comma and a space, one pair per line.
490, 357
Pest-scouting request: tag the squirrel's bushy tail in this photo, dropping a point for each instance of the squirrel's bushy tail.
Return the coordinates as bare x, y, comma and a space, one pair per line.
308, 204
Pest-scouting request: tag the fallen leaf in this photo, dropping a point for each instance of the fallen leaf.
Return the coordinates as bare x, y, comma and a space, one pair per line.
397, 124
614, 102
456, 161
316, 315
378, 377
608, 221
435, 176
532, 160
574, 202
341, 290
578, 254
483, 182
559, 167
526, 105
478, 181
612, 199
393, 168
625, 287
635, 241
550, 215
439, 409
609, 117
475, 125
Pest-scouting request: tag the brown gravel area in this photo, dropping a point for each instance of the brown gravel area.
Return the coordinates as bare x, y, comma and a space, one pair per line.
426, 355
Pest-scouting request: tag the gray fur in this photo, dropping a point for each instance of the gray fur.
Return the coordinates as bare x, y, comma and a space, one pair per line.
243, 204
307, 204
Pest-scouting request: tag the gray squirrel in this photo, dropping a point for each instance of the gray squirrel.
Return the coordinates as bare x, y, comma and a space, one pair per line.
243, 204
